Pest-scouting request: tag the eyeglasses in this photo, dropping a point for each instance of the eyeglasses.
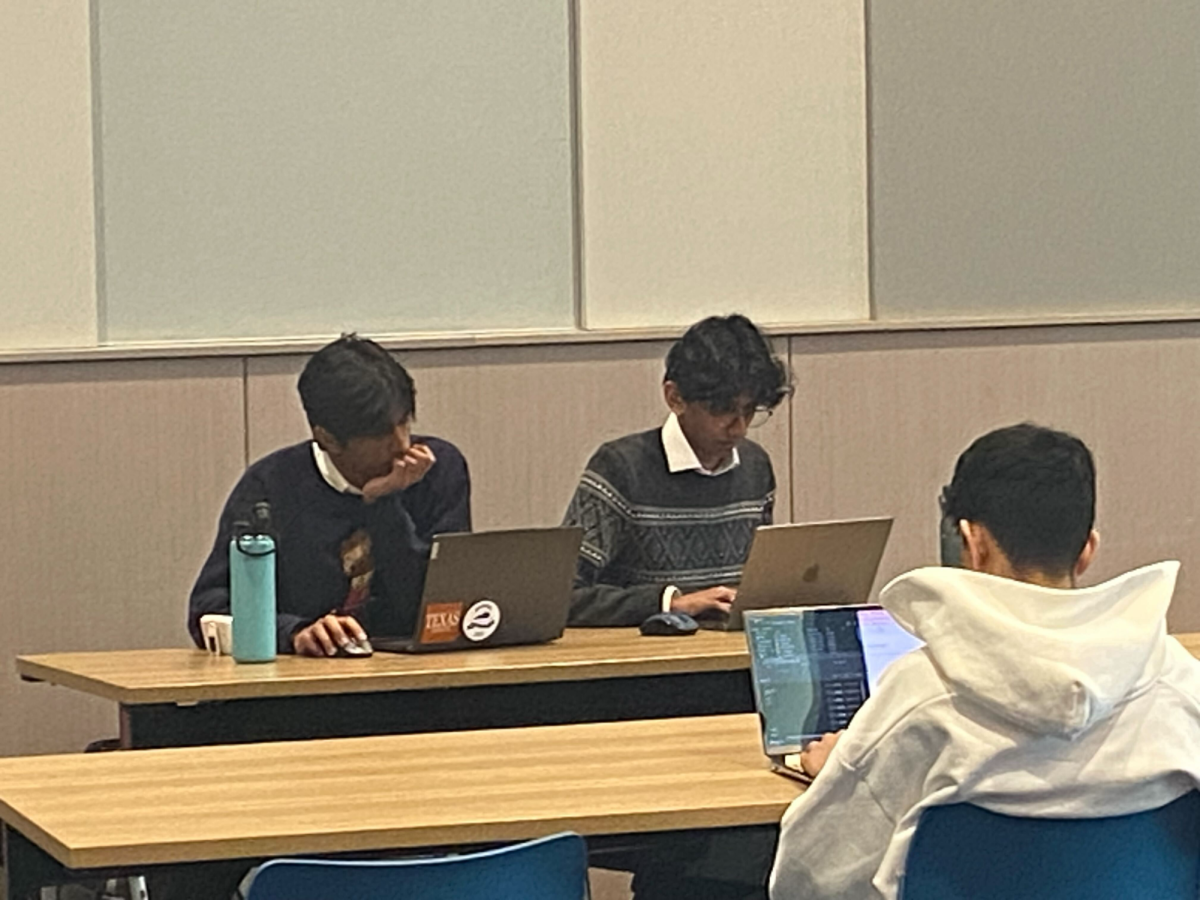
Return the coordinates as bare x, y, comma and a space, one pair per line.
759, 416
754, 416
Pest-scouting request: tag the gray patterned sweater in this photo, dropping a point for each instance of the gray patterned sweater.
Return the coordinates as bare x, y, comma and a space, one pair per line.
645, 528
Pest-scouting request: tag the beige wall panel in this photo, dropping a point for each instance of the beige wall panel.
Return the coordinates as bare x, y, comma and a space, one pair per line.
723, 160
112, 480
410, 159
527, 418
1032, 158
47, 229
880, 419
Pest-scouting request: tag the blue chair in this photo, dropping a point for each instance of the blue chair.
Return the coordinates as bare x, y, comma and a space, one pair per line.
550, 868
961, 851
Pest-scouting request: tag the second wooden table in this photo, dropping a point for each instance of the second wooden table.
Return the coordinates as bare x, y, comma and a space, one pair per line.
179, 697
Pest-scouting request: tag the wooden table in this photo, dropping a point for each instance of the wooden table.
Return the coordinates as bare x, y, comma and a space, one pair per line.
1190, 641
181, 697
95, 815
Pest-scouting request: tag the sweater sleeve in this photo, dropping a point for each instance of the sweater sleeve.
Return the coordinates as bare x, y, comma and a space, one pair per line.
441, 502
595, 600
595, 604
210, 594
847, 835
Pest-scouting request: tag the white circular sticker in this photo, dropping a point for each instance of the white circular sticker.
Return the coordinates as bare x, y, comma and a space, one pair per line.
481, 620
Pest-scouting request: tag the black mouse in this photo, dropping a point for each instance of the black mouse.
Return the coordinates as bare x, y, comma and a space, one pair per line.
669, 624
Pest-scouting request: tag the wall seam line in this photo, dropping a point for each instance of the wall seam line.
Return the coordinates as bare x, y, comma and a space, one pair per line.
574, 100
869, 164
246, 411
100, 271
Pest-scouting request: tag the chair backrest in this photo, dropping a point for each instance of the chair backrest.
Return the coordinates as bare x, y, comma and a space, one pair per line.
962, 851
551, 868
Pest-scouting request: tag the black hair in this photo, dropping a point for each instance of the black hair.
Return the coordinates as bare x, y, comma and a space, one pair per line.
1034, 489
724, 358
354, 388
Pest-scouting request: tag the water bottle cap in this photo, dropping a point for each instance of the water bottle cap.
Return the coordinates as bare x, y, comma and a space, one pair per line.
254, 544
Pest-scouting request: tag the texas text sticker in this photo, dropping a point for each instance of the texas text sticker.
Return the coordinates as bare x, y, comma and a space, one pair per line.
441, 623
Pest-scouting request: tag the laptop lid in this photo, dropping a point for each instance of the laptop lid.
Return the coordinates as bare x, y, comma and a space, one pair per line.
812, 668
494, 588
813, 564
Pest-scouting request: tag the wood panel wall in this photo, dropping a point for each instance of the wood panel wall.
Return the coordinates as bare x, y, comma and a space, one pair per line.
111, 482
879, 420
114, 472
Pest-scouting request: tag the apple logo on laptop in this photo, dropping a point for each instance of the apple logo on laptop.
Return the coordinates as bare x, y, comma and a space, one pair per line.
811, 573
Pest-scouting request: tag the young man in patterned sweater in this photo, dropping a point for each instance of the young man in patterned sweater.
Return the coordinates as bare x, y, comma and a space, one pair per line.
669, 514
668, 517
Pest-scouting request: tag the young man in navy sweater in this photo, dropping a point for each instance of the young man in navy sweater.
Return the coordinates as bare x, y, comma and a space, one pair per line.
353, 509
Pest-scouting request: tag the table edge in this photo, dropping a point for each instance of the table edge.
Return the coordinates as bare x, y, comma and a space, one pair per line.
765, 812
35, 668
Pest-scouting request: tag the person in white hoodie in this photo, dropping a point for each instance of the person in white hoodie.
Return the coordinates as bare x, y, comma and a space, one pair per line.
1031, 697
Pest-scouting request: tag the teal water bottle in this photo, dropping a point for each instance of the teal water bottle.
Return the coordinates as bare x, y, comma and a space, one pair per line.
252, 587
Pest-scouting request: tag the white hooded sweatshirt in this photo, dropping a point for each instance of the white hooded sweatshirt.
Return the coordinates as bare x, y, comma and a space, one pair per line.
1024, 700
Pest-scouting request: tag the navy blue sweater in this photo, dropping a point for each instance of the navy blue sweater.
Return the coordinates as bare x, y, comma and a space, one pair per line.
336, 551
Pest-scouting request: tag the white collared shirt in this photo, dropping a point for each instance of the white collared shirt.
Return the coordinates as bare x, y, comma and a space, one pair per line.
330, 473
682, 458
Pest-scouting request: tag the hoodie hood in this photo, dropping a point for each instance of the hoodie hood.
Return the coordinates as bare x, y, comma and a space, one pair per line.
1052, 661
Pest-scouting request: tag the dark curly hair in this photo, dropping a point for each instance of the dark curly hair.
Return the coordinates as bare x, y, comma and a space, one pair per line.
354, 388
1034, 489
722, 359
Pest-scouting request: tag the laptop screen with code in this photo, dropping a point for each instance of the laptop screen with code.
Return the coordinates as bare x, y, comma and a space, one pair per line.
813, 668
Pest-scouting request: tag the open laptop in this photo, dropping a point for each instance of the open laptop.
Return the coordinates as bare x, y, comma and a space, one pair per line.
813, 564
813, 668
493, 588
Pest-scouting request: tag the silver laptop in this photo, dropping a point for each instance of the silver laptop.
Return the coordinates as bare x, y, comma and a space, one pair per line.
493, 588
814, 564
812, 669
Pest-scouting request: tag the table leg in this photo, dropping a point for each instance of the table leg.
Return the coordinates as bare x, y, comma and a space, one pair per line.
27, 867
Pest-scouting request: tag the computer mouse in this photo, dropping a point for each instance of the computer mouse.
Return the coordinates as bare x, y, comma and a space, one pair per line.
669, 624
356, 648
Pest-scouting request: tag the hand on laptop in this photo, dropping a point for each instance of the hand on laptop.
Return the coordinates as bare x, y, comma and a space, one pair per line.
816, 753
324, 636
711, 603
406, 471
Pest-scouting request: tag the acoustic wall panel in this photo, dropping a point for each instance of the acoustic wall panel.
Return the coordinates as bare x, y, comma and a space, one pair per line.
297, 167
1034, 159
47, 222
723, 160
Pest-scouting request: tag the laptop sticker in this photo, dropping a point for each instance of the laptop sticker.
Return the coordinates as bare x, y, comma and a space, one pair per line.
481, 620
441, 623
